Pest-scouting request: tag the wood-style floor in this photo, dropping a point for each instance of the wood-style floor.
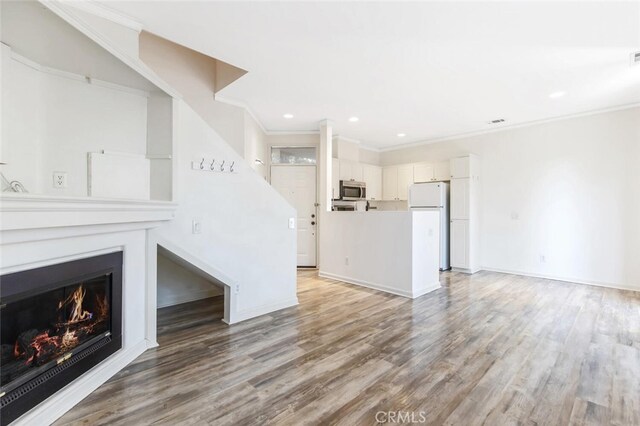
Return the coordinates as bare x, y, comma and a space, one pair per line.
489, 348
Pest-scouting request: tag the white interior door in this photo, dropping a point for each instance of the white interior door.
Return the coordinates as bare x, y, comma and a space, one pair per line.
297, 184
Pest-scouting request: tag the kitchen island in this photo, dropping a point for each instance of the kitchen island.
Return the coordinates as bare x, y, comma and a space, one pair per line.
392, 251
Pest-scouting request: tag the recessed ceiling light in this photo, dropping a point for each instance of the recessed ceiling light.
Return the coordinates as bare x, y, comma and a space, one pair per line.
556, 95
402, 135
354, 119
288, 116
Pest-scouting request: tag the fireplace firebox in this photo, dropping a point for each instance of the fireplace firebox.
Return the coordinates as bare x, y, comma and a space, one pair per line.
56, 323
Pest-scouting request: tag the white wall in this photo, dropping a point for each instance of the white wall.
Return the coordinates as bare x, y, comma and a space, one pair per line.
54, 121
244, 221
567, 190
177, 284
255, 146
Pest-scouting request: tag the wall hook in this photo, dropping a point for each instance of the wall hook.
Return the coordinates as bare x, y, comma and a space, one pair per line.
222, 166
202, 164
211, 166
231, 167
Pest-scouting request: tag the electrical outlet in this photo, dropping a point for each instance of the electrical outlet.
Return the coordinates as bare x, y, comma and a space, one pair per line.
59, 179
196, 226
237, 288
515, 216
543, 259
346, 261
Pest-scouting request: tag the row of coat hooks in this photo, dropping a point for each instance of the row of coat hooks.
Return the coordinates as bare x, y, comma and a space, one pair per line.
213, 165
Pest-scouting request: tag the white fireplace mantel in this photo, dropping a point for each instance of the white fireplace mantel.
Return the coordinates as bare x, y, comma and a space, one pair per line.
40, 230
28, 211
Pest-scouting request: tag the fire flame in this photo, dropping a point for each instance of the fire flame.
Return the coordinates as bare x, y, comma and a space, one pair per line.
52, 342
77, 313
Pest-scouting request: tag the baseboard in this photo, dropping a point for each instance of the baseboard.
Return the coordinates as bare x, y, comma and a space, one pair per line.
465, 271
427, 289
188, 297
561, 278
380, 287
373, 286
68, 397
244, 315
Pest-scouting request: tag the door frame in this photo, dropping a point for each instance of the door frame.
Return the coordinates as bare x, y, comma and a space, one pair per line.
315, 203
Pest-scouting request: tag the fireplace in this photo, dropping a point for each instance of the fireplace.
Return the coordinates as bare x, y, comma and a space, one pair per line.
56, 323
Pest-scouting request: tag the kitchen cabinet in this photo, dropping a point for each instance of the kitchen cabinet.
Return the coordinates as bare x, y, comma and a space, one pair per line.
465, 217
335, 178
459, 241
405, 178
464, 167
423, 173
372, 176
350, 170
435, 172
442, 171
390, 183
396, 181
460, 197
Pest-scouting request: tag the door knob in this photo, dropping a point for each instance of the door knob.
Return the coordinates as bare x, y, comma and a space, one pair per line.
313, 222
312, 216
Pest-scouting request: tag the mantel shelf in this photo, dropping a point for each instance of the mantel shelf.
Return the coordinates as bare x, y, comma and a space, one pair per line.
30, 211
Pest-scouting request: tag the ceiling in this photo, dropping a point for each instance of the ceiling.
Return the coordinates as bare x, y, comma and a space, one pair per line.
429, 70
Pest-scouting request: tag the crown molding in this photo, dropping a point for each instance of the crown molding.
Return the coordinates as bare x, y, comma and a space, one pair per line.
102, 11
292, 132
505, 128
240, 104
348, 139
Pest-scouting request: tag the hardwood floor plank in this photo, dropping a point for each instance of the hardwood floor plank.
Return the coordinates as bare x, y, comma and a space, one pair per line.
487, 348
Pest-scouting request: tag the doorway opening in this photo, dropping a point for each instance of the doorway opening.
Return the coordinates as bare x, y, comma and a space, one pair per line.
293, 175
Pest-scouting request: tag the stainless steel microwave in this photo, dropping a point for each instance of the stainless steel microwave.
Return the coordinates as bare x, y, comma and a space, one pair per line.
353, 191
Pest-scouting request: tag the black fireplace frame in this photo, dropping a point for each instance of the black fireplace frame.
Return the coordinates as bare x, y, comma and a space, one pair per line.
22, 284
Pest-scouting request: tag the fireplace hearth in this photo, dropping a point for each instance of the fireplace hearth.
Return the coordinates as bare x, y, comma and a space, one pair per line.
56, 323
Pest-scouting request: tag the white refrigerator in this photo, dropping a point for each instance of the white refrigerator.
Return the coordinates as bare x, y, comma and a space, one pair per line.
434, 196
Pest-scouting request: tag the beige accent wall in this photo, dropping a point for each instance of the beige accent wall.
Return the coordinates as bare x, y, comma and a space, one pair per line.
193, 74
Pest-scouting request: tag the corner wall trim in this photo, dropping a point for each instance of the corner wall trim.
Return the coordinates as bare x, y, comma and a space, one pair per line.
261, 310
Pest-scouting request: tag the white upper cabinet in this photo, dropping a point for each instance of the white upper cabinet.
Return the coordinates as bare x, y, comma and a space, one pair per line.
372, 176
335, 178
345, 170
405, 178
396, 181
442, 171
460, 168
356, 172
350, 170
464, 167
390, 183
423, 173
431, 172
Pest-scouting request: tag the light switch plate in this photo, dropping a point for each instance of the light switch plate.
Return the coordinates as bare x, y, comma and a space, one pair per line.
196, 226
292, 223
59, 179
